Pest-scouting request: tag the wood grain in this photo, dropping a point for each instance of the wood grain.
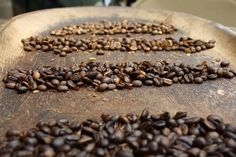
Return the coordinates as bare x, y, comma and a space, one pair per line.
23, 111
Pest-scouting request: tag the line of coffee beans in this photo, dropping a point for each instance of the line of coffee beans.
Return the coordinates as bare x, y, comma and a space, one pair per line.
145, 135
109, 76
65, 45
115, 27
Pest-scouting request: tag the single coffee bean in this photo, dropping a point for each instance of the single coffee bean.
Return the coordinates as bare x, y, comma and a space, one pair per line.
167, 82
148, 82
137, 83
42, 87
11, 85
102, 87
62, 88
100, 53
198, 80
111, 86
224, 63
36, 75
22, 89
55, 82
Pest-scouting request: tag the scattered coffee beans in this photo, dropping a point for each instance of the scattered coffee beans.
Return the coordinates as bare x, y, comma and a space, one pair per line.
104, 76
132, 135
115, 27
65, 45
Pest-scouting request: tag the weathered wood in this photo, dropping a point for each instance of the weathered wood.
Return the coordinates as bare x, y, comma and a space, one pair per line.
23, 111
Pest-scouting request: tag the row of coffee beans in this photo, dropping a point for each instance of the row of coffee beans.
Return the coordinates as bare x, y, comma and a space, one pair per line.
115, 27
65, 45
145, 135
109, 76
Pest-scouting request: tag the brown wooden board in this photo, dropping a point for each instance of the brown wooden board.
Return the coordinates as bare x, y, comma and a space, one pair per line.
23, 111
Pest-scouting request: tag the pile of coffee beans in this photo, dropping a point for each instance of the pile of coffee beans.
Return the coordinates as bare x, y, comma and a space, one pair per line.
109, 76
115, 27
65, 45
145, 135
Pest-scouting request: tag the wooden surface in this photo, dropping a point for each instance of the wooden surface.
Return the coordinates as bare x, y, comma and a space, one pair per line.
23, 111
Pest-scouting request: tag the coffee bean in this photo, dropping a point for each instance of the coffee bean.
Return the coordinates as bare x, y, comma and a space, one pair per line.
62, 88
36, 75
130, 135
11, 85
111, 86
198, 80
212, 76
148, 82
137, 83
100, 53
208, 125
111, 76
13, 133
22, 89
228, 74
55, 82
180, 115
58, 142
167, 82
42, 87
124, 153
224, 63
102, 87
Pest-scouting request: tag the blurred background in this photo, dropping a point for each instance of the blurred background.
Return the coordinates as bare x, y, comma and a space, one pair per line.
221, 11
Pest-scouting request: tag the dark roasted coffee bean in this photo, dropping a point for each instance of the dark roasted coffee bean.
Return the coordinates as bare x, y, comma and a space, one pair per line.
228, 74
208, 125
198, 80
58, 142
111, 86
130, 135
179, 115
224, 63
62, 88
100, 53
148, 82
137, 83
124, 153
22, 89
212, 76
110, 76
102, 87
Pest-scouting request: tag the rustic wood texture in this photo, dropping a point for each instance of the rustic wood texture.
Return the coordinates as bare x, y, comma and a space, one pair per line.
23, 111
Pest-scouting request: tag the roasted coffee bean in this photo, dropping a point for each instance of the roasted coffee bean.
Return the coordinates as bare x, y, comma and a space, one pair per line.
198, 80
148, 82
22, 89
125, 136
124, 153
224, 63
137, 83
42, 87
103, 87
117, 43
167, 82
212, 76
100, 53
109, 76
62, 88
36, 75
11, 85
111, 86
